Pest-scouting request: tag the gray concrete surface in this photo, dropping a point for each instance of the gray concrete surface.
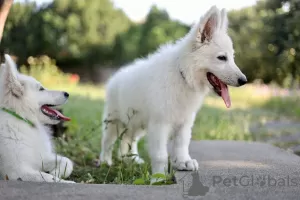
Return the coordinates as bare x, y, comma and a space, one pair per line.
240, 170
12, 190
228, 170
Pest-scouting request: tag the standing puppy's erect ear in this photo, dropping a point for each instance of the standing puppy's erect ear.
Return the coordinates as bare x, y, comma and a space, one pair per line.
9, 78
224, 24
209, 24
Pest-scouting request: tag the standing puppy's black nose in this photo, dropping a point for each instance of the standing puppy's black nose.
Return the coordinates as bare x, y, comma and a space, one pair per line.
66, 94
242, 81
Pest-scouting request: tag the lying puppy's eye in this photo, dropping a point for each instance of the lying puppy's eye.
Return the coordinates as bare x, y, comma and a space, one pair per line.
223, 58
41, 89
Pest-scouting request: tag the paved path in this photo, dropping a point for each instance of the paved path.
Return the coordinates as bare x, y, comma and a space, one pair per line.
241, 170
228, 170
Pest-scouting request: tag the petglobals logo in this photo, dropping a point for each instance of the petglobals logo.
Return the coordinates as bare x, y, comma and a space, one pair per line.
252, 180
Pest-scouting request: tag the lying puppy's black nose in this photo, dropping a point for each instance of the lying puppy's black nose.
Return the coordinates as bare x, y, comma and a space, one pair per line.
242, 81
66, 94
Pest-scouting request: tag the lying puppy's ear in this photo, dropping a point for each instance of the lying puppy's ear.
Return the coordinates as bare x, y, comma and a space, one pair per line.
9, 78
209, 24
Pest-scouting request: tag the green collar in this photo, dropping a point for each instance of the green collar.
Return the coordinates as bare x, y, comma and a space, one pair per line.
18, 116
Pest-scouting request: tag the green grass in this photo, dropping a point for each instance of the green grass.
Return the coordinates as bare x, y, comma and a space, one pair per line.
284, 106
82, 142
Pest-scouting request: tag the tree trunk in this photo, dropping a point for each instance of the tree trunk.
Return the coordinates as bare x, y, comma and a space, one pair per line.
5, 6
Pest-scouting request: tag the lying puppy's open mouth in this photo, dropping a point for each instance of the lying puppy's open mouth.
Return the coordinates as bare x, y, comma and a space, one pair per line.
220, 88
50, 112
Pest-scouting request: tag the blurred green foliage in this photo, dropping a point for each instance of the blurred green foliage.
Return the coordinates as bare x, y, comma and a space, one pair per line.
267, 41
44, 69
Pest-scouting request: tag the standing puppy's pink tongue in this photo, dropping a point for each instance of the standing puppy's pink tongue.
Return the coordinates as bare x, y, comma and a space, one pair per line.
225, 94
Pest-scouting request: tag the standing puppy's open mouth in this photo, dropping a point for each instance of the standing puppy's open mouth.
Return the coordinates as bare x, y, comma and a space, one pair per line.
220, 88
53, 114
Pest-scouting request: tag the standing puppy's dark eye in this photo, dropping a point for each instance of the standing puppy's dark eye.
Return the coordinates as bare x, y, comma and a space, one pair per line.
223, 58
41, 89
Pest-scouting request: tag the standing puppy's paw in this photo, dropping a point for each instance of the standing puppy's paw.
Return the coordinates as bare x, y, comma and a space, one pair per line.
64, 181
138, 160
104, 159
189, 165
157, 181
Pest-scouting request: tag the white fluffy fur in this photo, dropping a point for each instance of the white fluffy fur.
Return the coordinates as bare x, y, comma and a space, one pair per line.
151, 96
26, 152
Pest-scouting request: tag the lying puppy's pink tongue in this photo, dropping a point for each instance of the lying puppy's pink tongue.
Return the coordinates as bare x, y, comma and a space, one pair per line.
225, 94
55, 113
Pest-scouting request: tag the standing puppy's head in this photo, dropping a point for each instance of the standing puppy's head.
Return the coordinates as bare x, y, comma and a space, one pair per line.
211, 57
27, 97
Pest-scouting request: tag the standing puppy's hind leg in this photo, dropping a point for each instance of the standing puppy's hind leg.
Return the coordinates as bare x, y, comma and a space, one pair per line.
129, 146
134, 146
110, 130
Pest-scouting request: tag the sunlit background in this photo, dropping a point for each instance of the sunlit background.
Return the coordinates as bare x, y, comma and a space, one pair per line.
186, 11
76, 45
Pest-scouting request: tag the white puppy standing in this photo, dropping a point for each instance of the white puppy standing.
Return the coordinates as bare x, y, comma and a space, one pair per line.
26, 151
160, 95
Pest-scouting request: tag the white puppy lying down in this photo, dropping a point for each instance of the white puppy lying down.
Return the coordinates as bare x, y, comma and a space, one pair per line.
26, 151
160, 95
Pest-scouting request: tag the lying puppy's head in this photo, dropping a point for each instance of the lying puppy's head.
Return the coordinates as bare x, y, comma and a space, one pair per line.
210, 61
27, 97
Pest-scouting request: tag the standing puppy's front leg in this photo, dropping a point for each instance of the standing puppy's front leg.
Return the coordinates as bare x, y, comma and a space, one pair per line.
158, 134
181, 159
